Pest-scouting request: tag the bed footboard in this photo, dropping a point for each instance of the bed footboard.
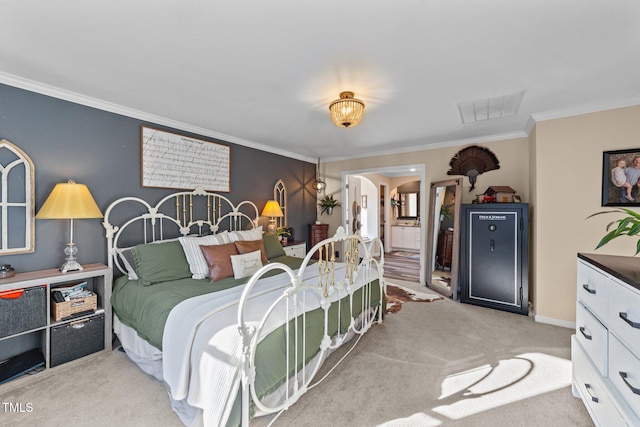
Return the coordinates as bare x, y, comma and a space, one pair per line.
325, 304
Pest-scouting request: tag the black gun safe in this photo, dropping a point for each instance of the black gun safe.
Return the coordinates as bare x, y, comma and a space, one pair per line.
494, 256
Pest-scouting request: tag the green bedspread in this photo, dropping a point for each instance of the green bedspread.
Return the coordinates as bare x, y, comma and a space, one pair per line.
146, 308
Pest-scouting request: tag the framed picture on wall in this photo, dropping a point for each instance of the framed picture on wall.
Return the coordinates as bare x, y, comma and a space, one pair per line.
621, 178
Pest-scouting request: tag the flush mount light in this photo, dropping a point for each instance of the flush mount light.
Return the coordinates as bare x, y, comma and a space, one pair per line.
347, 111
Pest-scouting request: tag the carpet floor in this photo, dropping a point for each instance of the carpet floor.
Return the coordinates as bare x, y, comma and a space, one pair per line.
441, 363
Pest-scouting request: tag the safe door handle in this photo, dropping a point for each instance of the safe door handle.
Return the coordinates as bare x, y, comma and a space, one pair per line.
590, 391
582, 330
623, 375
586, 288
492, 245
631, 323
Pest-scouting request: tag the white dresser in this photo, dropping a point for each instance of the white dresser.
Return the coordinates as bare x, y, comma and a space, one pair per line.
605, 350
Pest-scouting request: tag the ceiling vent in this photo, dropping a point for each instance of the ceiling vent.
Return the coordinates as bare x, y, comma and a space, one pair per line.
490, 108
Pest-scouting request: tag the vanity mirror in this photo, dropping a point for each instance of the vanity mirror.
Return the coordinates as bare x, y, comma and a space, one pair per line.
408, 202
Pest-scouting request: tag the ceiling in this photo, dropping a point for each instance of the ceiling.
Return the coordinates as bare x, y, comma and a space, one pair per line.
262, 74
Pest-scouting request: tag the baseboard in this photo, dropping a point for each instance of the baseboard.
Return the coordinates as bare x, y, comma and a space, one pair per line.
555, 322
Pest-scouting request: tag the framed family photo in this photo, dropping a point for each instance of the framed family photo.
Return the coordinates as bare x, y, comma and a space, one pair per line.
621, 178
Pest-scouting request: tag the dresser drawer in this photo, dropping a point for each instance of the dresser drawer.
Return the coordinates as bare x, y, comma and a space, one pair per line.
593, 290
593, 337
624, 315
592, 390
624, 373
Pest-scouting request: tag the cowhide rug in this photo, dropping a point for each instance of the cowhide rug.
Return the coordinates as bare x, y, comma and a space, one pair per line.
398, 295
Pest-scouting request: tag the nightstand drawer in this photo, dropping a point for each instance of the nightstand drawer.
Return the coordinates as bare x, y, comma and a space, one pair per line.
22, 310
593, 337
296, 250
593, 291
73, 340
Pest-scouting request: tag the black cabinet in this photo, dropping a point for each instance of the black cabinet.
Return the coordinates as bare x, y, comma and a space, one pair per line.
494, 256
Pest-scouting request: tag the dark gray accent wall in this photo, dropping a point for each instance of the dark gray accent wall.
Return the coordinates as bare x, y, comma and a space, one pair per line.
102, 150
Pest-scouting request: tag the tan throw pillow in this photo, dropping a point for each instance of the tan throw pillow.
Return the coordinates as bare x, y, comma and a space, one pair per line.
246, 246
218, 259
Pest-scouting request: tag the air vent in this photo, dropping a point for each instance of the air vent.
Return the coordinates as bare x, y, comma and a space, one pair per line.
490, 108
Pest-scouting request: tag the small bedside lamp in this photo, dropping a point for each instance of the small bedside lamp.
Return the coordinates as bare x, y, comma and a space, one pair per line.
272, 209
68, 201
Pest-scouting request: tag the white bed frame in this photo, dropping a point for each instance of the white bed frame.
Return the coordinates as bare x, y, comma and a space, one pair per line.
202, 212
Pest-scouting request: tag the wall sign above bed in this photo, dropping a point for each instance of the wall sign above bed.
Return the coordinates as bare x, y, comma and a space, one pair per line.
170, 160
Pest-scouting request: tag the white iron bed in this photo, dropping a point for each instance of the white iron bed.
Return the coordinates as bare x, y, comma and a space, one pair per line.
264, 338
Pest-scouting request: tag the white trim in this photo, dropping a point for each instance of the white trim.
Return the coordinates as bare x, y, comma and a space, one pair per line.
555, 322
585, 109
99, 104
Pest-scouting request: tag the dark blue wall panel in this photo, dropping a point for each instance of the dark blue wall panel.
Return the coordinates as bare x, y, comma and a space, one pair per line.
102, 150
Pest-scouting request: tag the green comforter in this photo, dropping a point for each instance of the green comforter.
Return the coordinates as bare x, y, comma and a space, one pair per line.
146, 308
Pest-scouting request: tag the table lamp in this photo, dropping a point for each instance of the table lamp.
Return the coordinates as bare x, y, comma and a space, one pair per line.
272, 209
69, 201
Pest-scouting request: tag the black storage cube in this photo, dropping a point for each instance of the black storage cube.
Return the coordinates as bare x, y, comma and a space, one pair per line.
73, 340
22, 310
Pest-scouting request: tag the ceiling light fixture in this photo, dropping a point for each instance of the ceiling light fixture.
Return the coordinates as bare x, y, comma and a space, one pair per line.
347, 111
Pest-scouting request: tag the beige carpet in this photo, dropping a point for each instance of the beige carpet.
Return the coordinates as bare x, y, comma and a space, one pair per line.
437, 364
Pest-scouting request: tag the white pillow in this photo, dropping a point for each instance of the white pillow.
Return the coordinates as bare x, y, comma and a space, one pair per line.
255, 234
246, 264
191, 246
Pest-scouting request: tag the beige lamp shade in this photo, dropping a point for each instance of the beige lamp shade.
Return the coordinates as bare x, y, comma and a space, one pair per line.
272, 209
68, 201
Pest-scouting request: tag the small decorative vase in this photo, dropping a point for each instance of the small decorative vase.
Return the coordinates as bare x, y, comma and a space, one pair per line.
330, 210
6, 271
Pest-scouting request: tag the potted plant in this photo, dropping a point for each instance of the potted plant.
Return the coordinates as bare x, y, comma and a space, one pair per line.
283, 234
628, 225
327, 203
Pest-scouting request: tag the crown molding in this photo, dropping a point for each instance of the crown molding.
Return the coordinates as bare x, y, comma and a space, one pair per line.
582, 109
432, 146
55, 92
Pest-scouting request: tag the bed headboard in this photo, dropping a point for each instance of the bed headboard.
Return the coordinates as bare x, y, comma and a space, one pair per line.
130, 220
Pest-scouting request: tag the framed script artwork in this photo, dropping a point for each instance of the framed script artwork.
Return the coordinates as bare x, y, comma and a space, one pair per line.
620, 178
176, 161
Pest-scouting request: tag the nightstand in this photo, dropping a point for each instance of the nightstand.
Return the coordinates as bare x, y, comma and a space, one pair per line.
30, 336
296, 249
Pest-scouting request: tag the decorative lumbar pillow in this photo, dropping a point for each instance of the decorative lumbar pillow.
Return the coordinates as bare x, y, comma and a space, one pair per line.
246, 264
195, 258
254, 234
160, 262
272, 246
218, 259
246, 246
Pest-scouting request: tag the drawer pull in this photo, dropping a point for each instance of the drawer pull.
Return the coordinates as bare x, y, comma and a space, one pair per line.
631, 323
589, 390
586, 288
623, 375
582, 331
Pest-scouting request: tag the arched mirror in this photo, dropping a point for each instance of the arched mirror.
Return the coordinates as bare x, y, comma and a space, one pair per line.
443, 236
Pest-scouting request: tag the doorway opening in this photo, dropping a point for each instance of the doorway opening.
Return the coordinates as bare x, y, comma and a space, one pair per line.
369, 196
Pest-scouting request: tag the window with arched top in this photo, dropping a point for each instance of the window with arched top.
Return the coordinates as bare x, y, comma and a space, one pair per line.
16, 200
280, 195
